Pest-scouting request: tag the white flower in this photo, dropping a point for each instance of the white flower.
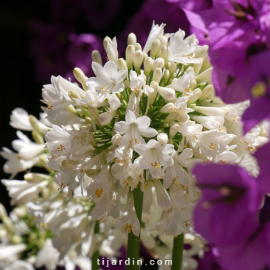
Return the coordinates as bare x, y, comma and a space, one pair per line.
177, 110
134, 128
155, 155
108, 79
213, 142
19, 119
27, 149
163, 198
210, 122
182, 84
56, 97
112, 50
22, 192
47, 256
156, 30
176, 172
136, 82
14, 164
106, 117
181, 50
128, 221
11, 252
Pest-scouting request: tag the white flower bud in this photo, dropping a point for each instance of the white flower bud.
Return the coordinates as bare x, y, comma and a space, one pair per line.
34, 123
189, 69
155, 47
106, 117
168, 108
138, 47
162, 138
158, 63
157, 75
167, 93
196, 95
164, 52
131, 39
163, 40
126, 83
105, 43
37, 137
116, 139
172, 68
35, 177
166, 76
16, 239
137, 60
207, 92
152, 96
3, 212
8, 224
73, 95
173, 130
211, 111
193, 84
96, 57
71, 109
148, 64
80, 76
129, 55
205, 76
20, 211
122, 64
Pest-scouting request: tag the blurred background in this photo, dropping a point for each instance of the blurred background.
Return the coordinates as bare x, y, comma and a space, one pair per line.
44, 38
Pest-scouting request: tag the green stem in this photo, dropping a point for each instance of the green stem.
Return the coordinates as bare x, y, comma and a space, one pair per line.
177, 253
133, 248
95, 256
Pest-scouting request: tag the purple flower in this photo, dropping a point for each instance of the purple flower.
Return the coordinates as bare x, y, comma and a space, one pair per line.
254, 252
228, 205
262, 155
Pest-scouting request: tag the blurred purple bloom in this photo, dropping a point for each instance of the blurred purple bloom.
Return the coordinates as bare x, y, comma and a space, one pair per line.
210, 260
262, 155
48, 49
228, 205
254, 252
80, 50
159, 11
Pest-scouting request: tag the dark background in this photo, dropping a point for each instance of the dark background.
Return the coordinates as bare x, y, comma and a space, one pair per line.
19, 87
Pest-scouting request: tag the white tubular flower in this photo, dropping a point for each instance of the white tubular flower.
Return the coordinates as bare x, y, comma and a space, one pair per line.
14, 164
156, 30
108, 79
163, 198
48, 256
213, 142
128, 221
155, 155
27, 150
181, 50
182, 84
210, 122
211, 111
56, 97
11, 252
167, 93
191, 132
112, 51
177, 110
22, 192
176, 172
134, 128
64, 142
136, 82
91, 97
106, 117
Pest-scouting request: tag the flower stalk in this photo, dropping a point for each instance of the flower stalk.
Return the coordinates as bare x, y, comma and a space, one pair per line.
95, 255
133, 248
177, 253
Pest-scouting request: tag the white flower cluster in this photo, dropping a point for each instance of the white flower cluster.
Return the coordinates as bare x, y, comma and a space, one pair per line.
144, 120
140, 124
